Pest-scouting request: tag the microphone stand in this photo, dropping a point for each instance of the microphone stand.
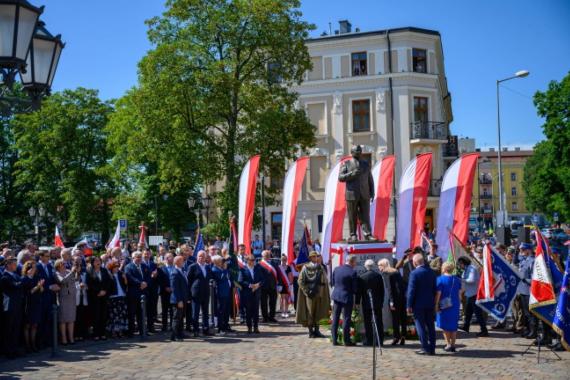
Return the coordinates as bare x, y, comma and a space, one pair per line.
376, 335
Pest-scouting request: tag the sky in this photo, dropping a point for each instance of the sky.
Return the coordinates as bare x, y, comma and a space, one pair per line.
482, 40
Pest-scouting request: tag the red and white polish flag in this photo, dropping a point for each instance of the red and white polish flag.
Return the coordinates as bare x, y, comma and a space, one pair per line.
291, 190
383, 175
334, 211
414, 186
455, 202
486, 289
58, 241
142, 235
541, 284
116, 241
247, 186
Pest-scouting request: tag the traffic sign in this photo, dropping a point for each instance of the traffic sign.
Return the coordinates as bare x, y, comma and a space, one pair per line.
123, 224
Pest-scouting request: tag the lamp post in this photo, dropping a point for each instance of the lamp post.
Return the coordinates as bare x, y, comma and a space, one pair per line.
191, 204
207, 202
501, 214
37, 215
27, 48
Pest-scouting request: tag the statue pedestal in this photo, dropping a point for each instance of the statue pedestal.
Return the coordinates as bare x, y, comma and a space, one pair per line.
362, 250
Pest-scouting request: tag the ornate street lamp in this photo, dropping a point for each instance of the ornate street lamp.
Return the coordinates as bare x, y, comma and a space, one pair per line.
18, 20
42, 61
207, 202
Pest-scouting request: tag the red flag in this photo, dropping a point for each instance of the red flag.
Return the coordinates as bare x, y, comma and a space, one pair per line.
58, 241
486, 290
142, 235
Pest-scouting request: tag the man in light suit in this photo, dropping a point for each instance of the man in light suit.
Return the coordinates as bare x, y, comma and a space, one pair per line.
345, 285
179, 297
199, 276
421, 302
359, 190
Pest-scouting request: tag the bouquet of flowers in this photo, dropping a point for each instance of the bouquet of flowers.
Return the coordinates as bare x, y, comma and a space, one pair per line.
356, 327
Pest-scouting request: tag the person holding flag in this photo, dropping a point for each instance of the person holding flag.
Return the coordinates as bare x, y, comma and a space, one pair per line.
561, 323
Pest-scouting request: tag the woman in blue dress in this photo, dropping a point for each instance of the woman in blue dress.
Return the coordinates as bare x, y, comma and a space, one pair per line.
447, 304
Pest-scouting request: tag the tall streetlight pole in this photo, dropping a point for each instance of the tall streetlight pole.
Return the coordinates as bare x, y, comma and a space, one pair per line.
501, 216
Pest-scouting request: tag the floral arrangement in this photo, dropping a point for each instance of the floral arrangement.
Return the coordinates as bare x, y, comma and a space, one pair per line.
356, 327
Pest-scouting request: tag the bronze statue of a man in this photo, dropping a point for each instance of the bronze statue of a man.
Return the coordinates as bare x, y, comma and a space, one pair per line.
359, 190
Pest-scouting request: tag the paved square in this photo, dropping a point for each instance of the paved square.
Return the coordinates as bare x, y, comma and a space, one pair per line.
283, 351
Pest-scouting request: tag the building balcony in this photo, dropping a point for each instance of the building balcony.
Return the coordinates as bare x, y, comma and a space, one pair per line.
435, 131
435, 188
485, 180
485, 196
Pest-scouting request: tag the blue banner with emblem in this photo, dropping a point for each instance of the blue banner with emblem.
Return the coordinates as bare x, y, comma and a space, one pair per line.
506, 279
561, 321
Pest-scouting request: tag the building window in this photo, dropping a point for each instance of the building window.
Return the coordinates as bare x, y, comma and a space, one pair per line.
514, 206
361, 115
514, 191
276, 223
358, 64
420, 109
419, 60
485, 193
320, 223
513, 176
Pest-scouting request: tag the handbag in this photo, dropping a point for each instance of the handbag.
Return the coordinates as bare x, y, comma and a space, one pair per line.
446, 302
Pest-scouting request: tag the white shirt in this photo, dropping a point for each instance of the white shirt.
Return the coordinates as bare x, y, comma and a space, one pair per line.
203, 269
250, 271
120, 292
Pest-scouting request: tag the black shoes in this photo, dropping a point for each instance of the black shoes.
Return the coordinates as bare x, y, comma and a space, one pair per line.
256, 331
483, 334
318, 334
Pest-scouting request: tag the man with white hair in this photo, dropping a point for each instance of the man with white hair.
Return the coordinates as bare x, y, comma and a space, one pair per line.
371, 281
421, 302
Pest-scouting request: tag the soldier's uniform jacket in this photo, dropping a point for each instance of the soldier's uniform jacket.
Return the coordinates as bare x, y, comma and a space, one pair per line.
358, 178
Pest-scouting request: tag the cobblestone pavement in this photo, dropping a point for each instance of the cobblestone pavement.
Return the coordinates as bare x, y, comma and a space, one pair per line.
283, 351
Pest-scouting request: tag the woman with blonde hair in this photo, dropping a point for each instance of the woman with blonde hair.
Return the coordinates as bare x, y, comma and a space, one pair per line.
67, 300
397, 297
447, 304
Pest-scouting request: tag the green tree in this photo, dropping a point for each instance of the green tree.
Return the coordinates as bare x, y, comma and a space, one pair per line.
214, 91
62, 156
547, 172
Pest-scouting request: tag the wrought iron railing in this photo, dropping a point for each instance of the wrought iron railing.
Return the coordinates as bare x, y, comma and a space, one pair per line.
432, 130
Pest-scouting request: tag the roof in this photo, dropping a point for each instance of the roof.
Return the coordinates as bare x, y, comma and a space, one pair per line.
374, 33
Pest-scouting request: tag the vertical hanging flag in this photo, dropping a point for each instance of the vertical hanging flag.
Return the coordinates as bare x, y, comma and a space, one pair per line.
116, 241
247, 185
291, 190
455, 202
414, 186
383, 175
542, 301
334, 211
142, 235
486, 289
561, 323
58, 241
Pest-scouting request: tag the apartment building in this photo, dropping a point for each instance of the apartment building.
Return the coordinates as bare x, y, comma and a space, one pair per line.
385, 90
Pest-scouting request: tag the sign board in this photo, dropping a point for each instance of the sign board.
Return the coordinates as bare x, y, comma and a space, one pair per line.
155, 240
123, 224
555, 216
362, 251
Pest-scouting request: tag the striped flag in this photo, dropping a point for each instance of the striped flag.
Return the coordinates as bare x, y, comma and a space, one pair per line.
142, 235
334, 211
486, 290
561, 322
116, 241
455, 202
383, 175
412, 202
58, 241
247, 185
291, 190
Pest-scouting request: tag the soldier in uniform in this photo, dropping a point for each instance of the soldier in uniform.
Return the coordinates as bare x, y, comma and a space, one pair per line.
314, 298
359, 190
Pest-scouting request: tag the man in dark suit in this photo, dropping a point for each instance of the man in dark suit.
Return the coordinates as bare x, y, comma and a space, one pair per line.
178, 297
269, 288
199, 276
421, 302
166, 290
152, 290
189, 259
45, 271
359, 190
371, 280
13, 307
345, 285
137, 279
251, 279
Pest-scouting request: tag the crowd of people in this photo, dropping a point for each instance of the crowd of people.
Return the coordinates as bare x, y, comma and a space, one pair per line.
133, 290
117, 293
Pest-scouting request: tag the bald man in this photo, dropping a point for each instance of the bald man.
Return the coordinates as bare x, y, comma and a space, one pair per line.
421, 302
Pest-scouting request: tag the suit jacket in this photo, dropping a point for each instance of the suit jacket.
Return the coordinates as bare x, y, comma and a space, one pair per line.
374, 281
49, 277
163, 277
345, 284
397, 294
358, 178
113, 290
199, 285
135, 278
422, 288
152, 282
13, 292
95, 285
269, 281
179, 285
222, 277
245, 280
